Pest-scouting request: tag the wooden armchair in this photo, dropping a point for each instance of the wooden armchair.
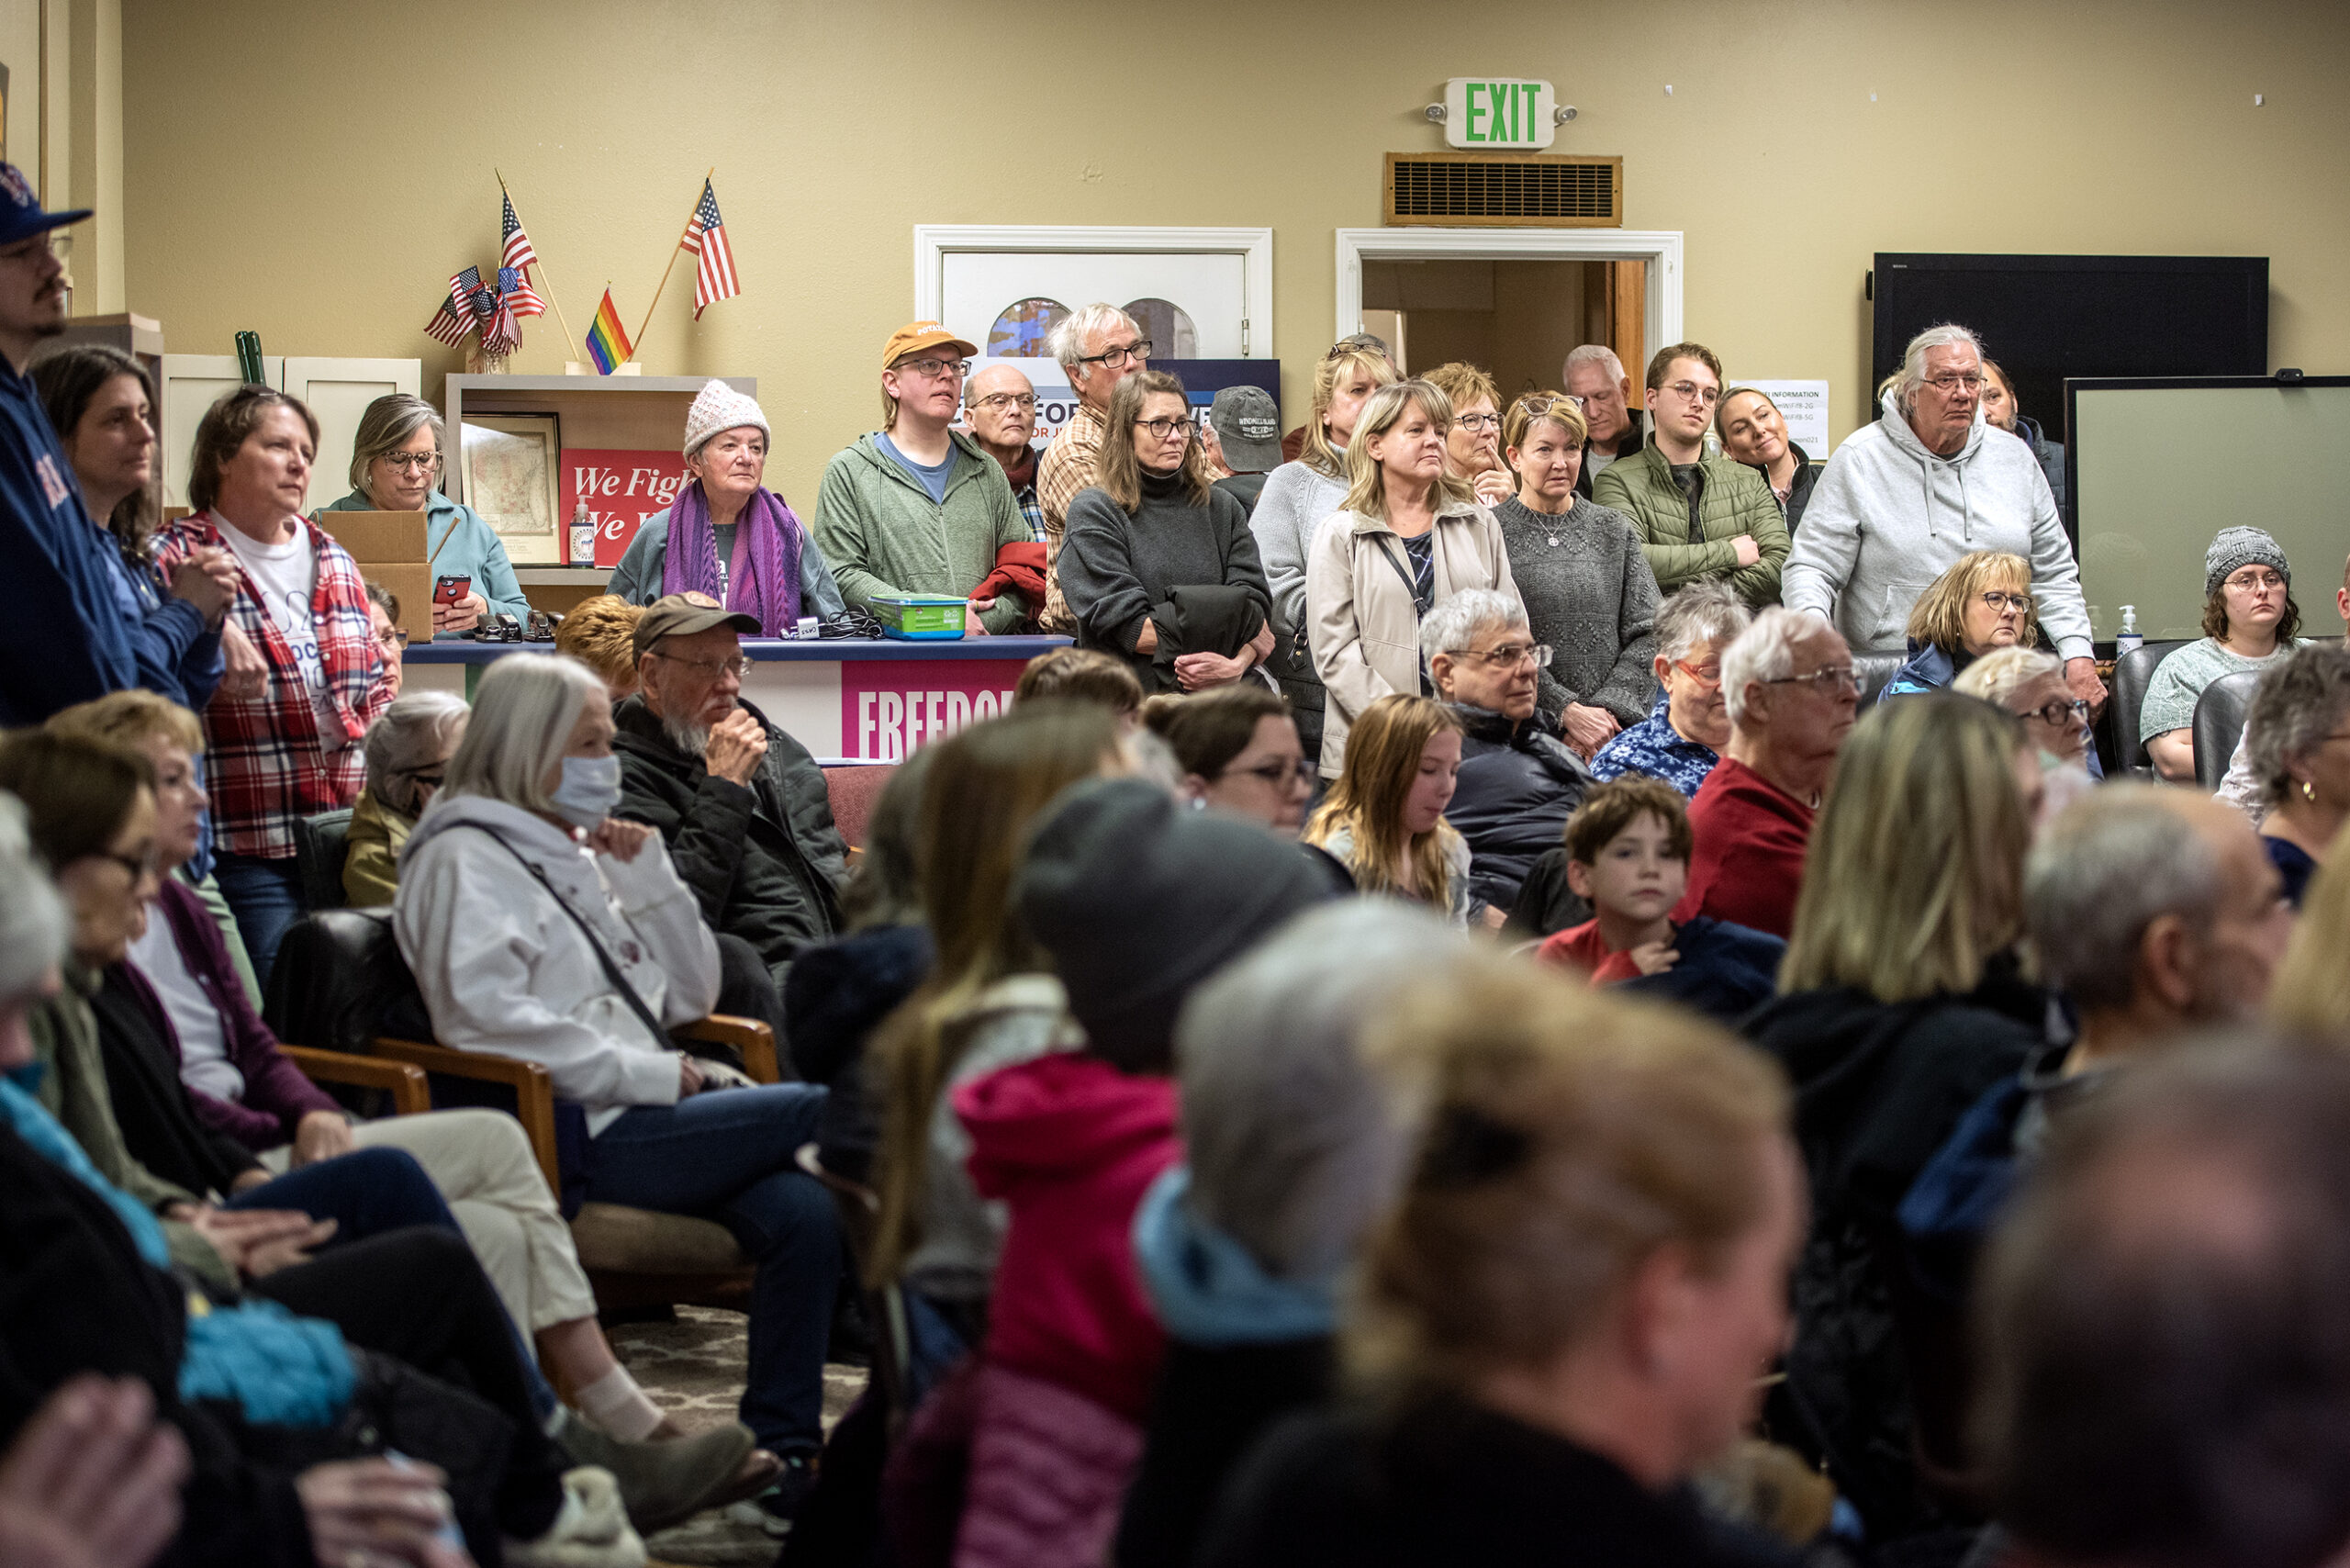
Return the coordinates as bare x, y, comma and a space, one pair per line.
403, 1080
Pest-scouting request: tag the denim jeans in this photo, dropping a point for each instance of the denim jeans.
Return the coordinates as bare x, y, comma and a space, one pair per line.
266, 897
729, 1156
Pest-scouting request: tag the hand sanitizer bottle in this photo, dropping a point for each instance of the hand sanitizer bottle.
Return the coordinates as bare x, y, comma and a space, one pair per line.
2126, 640
583, 535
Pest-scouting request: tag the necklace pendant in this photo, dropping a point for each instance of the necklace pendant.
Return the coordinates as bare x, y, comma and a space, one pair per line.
1554, 542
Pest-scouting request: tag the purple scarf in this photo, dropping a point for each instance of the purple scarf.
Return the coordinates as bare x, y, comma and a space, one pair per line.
765, 578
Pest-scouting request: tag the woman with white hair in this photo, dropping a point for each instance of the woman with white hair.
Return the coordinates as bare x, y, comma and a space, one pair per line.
1683, 734
1294, 1142
396, 465
2030, 683
726, 536
1931, 481
541, 927
406, 750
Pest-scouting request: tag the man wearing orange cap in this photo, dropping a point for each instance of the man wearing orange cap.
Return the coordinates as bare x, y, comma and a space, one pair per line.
918, 507
1098, 347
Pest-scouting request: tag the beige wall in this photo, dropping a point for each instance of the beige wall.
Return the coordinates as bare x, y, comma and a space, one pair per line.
315, 172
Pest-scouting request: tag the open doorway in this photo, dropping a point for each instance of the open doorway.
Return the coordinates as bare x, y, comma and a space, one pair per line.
1516, 317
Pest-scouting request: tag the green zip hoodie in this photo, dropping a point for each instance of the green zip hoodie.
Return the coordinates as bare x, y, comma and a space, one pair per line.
884, 535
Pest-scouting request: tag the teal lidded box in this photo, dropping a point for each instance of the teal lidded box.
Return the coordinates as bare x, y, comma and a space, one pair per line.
919, 617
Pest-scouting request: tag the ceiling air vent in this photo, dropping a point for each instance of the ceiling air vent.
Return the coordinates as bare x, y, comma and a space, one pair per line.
1529, 190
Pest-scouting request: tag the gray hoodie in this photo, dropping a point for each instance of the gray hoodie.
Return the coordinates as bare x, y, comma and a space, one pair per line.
1888, 517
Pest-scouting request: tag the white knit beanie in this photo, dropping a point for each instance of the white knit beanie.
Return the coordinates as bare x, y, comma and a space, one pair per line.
718, 406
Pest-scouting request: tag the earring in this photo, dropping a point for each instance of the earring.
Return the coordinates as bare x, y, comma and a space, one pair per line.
2308, 791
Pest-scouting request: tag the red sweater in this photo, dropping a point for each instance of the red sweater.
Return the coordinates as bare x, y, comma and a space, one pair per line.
1582, 947
1069, 1143
1748, 864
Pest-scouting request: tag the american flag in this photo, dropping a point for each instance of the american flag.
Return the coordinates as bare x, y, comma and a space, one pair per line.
463, 286
447, 326
706, 237
514, 289
500, 333
518, 244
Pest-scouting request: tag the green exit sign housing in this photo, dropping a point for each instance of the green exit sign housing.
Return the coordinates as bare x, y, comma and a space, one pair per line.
1499, 111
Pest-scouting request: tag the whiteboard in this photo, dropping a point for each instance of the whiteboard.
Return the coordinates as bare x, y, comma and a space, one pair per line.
2159, 470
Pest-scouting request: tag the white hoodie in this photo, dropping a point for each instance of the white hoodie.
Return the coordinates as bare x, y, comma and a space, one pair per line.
503, 970
1888, 517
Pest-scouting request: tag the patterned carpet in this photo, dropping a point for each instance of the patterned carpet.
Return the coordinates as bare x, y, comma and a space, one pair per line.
693, 1370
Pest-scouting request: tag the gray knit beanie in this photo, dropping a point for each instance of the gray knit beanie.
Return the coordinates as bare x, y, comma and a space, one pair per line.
2234, 547
1138, 900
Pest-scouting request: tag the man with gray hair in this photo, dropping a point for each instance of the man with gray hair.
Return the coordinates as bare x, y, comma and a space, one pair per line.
1595, 377
1000, 403
1904, 497
1788, 684
1097, 346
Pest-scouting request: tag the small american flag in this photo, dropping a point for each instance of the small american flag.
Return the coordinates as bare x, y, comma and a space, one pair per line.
500, 333
518, 244
515, 290
463, 286
447, 326
706, 237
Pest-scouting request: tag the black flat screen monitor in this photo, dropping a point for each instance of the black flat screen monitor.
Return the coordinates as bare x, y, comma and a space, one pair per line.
2047, 318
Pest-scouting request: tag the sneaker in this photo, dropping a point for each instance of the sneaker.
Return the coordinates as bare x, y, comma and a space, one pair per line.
662, 1483
773, 1509
590, 1530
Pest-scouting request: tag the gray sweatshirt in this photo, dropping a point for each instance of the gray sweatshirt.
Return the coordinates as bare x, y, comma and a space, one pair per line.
1888, 517
1291, 507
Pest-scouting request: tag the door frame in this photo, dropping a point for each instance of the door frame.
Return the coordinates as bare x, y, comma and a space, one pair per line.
933, 243
1658, 247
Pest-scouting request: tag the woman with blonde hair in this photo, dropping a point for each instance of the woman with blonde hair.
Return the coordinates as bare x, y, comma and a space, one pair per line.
2311, 995
991, 1000
1158, 566
1296, 497
1472, 448
1384, 820
1901, 1001
1568, 1311
1982, 604
1409, 534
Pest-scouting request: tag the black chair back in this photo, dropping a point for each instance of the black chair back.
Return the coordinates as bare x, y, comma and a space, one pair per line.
1874, 671
339, 982
2219, 714
320, 844
2132, 673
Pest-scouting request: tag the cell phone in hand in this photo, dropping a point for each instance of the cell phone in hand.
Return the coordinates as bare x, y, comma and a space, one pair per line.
451, 590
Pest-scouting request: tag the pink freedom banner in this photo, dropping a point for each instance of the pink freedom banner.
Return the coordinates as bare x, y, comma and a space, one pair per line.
889, 707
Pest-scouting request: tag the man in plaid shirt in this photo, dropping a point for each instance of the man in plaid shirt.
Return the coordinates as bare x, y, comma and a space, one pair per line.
1098, 347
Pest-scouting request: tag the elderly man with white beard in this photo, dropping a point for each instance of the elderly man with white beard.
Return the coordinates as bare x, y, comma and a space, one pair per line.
739, 803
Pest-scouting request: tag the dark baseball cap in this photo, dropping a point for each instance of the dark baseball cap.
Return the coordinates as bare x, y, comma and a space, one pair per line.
1248, 425
682, 615
21, 217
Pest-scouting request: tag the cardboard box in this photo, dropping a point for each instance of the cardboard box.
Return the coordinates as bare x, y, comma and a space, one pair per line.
389, 548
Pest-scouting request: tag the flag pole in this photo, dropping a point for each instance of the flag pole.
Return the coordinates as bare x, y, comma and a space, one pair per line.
575, 355
673, 263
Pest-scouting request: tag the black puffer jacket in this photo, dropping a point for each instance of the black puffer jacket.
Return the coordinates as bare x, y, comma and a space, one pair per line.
1518, 785
764, 862
1878, 1089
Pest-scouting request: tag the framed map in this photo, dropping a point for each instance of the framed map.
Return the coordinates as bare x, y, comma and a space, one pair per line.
511, 478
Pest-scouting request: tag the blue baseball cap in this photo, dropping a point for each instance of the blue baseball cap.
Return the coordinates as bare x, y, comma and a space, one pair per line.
21, 214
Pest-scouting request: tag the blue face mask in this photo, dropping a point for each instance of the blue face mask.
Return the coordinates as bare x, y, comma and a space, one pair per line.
590, 788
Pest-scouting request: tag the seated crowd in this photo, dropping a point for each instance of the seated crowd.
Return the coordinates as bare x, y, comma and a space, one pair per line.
1441, 1027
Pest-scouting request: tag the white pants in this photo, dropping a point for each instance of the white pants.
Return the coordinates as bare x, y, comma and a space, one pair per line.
482, 1162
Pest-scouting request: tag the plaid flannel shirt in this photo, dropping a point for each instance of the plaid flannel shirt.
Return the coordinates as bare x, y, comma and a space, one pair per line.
1065, 469
263, 763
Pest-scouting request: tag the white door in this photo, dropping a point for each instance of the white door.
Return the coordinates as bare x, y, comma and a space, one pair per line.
191, 384
338, 391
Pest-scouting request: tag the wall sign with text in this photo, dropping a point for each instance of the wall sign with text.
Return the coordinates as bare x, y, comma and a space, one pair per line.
621, 490
1499, 112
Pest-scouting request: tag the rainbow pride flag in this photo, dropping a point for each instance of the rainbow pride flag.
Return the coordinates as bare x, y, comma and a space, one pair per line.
607, 342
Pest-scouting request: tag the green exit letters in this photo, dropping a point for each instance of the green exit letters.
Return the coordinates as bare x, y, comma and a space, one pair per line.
1498, 112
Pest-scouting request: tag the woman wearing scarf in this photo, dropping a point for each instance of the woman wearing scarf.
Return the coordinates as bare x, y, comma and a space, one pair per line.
726, 536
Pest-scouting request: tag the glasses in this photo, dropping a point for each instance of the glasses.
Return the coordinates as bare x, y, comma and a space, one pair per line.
1835, 678
1704, 675
1509, 655
2001, 604
1690, 392
38, 246
1298, 775
1161, 429
391, 638
711, 669
1949, 383
2059, 713
1115, 357
2255, 582
1479, 421
140, 867
936, 369
411, 462
1025, 401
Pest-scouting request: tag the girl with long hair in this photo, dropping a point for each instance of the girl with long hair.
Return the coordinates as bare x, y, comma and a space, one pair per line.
1384, 817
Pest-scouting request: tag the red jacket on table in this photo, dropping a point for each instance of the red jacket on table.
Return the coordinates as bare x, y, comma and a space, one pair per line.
1069, 1143
1747, 867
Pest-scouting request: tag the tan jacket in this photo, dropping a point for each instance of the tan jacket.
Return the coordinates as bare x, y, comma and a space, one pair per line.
1360, 618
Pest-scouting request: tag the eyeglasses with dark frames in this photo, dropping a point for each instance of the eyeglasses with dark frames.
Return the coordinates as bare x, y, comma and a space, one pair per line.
1161, 429
1119, 354
1298, 775
2001, 604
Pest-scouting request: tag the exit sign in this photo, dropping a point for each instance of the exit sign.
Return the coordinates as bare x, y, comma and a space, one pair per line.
1498, 112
